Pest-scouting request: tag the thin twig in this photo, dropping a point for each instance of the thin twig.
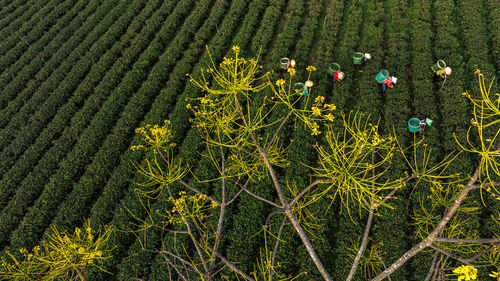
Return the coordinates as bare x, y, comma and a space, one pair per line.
451, 255
433, 267
258, 197
275, 250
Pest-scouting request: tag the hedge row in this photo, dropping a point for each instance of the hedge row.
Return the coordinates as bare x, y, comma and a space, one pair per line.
340, 228
390, 231
479, 51
493, 7
17, 45
31, 189
424, 84
302, 153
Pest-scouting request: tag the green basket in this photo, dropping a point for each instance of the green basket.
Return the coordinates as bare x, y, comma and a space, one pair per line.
382, 75
299, 88
332, 68
357, 58
440, 64
284, 62
413, 125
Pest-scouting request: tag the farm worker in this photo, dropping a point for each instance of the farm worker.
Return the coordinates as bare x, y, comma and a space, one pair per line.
444, 72
423, 124
365, 57
309, 84
338, 76
389, 82
290, 64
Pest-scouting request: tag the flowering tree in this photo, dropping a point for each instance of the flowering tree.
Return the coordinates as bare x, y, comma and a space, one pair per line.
237, 122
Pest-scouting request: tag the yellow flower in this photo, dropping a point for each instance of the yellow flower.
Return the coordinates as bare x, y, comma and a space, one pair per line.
329, 117
315, 130
316, 111
236, 49
466, 272
319, 99
205, 100
292, 71
280, 82
188, 106
330, 107
311, 68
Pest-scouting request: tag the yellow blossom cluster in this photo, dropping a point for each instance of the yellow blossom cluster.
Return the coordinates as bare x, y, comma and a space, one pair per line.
195, 207
155, 137
62, 256
466, 272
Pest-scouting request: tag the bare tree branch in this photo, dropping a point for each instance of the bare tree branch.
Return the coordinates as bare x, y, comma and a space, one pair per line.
309, 188
218, 233
468, 241
362, 247
277, 131
258, 197
426, 242
234, 268
433, 267
286, 206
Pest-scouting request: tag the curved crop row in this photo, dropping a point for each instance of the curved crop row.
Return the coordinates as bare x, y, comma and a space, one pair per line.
14, 47
268, 24
300, 153
475, 42
77, 204
494, 29
31, 189
26, 69
27, 125
96, 175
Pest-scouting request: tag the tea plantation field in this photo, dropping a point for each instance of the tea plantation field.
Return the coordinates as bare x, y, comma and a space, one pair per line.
78, 76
